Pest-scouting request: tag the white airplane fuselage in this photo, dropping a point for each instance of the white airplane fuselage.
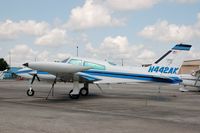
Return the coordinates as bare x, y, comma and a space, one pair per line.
108, 74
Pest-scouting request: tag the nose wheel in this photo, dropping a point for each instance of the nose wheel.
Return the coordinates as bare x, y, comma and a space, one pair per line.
30, 92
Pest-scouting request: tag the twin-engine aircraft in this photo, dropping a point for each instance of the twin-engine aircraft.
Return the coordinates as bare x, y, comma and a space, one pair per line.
87, 71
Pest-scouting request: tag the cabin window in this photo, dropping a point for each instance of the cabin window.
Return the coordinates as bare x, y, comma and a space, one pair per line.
94, 65
75, 62
113, 64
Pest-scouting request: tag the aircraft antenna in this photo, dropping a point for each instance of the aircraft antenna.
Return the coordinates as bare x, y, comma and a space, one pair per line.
77, 51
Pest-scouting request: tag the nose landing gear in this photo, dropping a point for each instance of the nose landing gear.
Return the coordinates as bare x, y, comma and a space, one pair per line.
30, 92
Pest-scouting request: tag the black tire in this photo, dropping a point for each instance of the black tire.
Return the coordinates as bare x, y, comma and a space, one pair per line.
73, 96
84, 91
30, 92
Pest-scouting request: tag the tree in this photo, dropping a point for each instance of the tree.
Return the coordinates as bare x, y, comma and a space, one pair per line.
3, 65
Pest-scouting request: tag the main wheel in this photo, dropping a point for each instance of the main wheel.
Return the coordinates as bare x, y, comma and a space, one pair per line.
84, 91
73, 96
30, 92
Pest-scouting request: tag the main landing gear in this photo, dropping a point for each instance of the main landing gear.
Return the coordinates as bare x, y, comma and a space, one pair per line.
75, 93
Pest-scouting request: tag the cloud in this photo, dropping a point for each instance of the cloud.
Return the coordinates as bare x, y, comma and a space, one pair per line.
10, 29
62, 56
91, 15
47, 56
95, 13
117, 48
193, 54
124, 5
166, 32
146, 54
54, 37
22, 53
43, 56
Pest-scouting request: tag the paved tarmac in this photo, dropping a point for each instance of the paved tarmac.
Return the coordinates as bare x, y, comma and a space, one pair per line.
119, 109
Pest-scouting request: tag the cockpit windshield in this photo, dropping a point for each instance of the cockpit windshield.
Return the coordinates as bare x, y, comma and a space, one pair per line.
64, 61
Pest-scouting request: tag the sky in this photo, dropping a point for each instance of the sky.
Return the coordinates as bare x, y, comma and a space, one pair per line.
137, 31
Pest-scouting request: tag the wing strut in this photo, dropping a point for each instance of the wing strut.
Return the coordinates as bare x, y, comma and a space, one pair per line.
99, 88
52, 88
197, 80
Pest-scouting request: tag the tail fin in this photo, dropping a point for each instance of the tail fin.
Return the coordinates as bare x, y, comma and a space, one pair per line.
171, 61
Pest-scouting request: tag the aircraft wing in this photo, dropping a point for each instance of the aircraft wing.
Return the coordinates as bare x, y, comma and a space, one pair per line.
87, 77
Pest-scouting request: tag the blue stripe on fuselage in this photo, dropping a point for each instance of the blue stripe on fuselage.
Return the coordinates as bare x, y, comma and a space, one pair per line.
172, 80
143, 77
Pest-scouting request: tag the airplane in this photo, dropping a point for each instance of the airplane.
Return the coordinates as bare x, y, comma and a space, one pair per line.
190, 80
90, 71
2, 73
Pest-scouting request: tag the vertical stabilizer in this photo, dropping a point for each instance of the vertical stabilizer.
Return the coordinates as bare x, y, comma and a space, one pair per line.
171, 61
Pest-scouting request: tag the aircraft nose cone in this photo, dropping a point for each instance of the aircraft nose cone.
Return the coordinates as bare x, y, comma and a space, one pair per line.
25, 64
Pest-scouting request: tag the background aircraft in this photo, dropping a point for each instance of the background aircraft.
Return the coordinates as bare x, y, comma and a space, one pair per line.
86, 71
190, 80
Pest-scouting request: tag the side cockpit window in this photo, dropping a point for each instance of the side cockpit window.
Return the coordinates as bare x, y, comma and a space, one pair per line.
75, 62
94, 65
